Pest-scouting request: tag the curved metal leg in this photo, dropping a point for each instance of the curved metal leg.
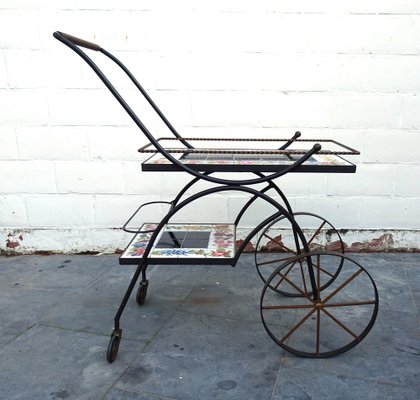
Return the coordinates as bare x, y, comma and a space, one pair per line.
116, 333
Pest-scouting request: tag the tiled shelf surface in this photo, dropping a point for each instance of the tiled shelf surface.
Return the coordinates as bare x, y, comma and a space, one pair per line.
183, 242
250, 163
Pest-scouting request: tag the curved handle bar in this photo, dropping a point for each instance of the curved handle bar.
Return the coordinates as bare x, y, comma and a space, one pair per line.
73, 43
78, 42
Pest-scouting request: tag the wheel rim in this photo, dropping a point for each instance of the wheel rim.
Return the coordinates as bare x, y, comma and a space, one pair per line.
113, 348
339, 320
278, 235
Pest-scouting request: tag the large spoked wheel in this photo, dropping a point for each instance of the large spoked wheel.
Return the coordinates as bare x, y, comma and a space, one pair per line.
325, 324
277, 243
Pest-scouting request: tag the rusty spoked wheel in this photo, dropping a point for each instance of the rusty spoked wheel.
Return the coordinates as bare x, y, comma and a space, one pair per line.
324, 324
277, 244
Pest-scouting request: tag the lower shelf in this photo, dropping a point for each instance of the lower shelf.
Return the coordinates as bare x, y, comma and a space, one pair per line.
184, 244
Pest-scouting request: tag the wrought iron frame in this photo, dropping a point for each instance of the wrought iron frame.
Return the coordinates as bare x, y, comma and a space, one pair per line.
263, 175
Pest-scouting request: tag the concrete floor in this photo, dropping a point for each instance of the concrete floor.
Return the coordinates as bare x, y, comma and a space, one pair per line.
199, 335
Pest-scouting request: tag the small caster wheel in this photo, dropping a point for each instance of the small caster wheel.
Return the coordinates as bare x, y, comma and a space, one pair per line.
113, 346
142, 292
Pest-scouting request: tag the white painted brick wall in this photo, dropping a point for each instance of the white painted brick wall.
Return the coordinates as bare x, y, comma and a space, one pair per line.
27, 177
60, 211
410, 115
3, 73
23, 107
89, 177
13, 211
8, 148
69, 167
391, 146
111, 210
371, 180
52, 143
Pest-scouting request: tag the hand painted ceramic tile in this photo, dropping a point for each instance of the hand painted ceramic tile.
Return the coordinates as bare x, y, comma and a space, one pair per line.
243, 159
222, 241
185, 241
329, 159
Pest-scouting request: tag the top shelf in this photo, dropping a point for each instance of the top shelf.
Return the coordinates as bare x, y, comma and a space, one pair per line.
254, 155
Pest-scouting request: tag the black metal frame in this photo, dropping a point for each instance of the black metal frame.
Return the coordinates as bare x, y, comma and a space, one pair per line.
264, 174
173, 204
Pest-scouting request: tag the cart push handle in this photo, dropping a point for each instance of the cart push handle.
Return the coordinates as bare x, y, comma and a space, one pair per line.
74, 43
77, 41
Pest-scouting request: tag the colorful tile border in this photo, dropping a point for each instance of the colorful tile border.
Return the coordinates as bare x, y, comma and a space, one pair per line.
221, 242
317, 159
329, 159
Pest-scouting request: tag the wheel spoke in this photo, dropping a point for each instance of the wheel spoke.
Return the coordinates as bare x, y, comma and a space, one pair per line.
274, 261
321, 269
340, 324
296, 287
287, 307
354, 303
326, 272
284, 276
316, 233
296, 327
342, 285
318, 277
303, 277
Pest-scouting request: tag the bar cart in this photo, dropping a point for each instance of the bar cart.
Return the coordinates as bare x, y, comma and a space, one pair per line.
316, 301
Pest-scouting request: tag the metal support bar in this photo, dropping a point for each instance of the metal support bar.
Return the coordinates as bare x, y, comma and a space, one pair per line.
289, 142
141, 268
124, 228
